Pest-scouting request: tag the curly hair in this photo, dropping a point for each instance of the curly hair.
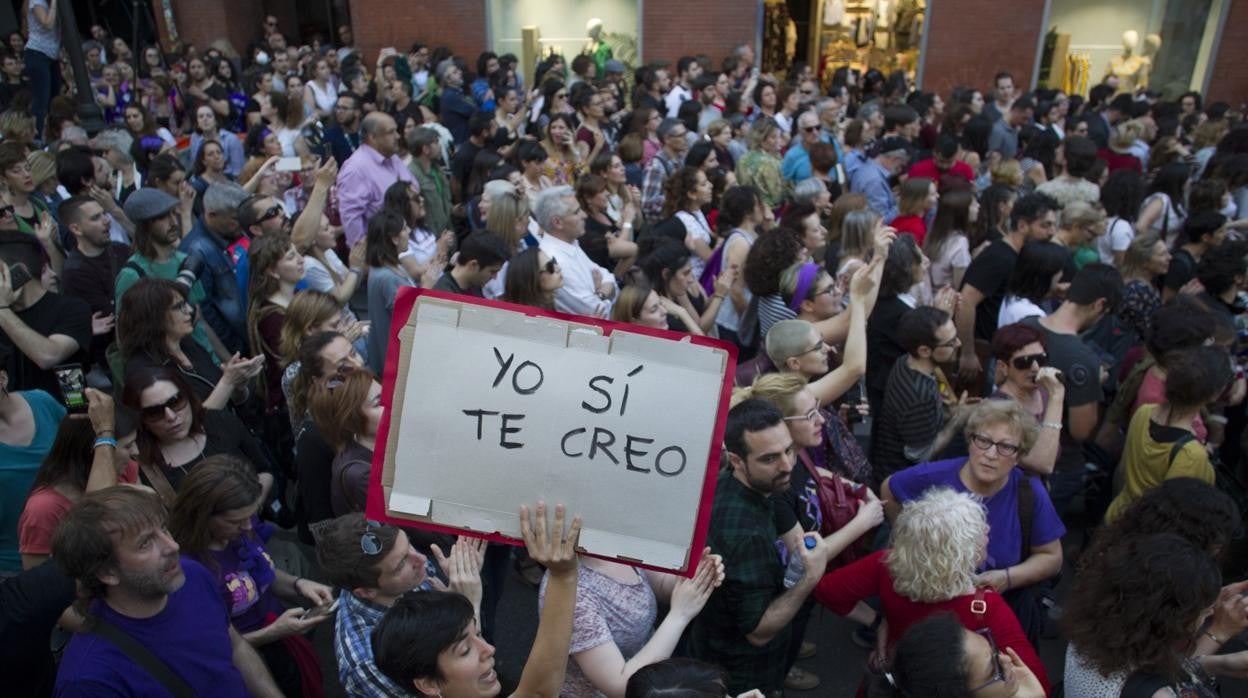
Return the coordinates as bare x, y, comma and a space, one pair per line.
1135, 606
1011, 412
772, 253
1202, 514
938, 541
676, 190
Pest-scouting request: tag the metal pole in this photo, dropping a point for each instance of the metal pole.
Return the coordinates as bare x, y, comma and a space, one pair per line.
90, 114
135, 51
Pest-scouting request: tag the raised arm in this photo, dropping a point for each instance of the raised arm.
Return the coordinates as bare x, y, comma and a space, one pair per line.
556, 550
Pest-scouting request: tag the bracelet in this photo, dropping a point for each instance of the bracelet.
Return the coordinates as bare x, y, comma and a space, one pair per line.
295, 584
717, 296
1052, 425
1213, 637
104, 441
1009, 583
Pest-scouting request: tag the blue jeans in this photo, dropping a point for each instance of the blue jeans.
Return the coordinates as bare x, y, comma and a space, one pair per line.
45, 83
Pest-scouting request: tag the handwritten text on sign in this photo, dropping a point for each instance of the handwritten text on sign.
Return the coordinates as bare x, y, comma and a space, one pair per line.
502, 409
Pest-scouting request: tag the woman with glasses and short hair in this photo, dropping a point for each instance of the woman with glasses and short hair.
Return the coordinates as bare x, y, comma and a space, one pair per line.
939, 541
1024, 537
940, 657
1032, 383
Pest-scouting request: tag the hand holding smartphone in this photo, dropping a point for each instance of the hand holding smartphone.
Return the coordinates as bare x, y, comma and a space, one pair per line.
318, 611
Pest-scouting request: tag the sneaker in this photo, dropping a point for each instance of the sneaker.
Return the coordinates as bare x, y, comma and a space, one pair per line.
864, 637
807, 651
799, 680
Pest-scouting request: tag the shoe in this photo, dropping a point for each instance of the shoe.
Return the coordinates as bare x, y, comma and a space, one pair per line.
864, 637
807, 651
798, 680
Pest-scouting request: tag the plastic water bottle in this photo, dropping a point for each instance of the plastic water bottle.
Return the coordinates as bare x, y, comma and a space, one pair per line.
797, 569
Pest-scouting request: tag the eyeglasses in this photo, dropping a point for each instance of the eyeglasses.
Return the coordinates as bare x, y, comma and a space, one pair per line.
271, 213
1022, 363
1004, 448
949, 343
829, 290
183, 307
551, 266
997, 668
370, 542
682, 134
810, 416
155, 413
817, 347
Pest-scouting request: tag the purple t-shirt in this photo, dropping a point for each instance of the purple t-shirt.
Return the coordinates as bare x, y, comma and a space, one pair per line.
246, 579
191, 636
1004, 536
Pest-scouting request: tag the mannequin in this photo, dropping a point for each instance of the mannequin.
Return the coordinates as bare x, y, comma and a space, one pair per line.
1152, 44
1127, 66
596, 47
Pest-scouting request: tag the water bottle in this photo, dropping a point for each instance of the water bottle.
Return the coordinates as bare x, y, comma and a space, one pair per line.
796, 569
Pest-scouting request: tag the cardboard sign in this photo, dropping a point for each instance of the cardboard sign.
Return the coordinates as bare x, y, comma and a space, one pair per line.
490, 406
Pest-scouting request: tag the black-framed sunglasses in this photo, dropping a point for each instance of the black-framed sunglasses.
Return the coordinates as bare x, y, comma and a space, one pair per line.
810, 129
155, 413
271, 213
370, 542
997, 668
1022, 363
551, 266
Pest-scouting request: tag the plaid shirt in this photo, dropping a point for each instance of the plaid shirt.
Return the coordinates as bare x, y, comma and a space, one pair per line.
743, 531
353, 646
660, 168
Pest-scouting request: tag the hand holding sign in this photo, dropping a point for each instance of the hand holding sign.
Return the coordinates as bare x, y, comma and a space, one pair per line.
558, 553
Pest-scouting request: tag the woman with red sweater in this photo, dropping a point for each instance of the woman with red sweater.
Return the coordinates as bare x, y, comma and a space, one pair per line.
918, 198
938, 542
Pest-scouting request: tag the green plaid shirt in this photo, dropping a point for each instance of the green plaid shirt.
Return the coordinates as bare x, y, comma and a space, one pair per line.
743, 531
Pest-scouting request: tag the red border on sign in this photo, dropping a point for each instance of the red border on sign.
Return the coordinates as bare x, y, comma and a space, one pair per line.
405, 301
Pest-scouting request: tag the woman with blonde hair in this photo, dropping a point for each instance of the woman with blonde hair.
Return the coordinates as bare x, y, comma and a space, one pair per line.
1080, 225
998, 433
760, 167
1118, 155
309, 313
1146, 260
938, 541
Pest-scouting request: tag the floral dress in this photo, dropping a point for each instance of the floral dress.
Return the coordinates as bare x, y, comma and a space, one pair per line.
1139, 300
762, 170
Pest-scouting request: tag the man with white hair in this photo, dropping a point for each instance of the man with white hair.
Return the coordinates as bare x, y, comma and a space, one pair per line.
588, 289
796, 164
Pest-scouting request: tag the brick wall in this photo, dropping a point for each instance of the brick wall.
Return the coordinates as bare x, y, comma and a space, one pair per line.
1229, 81
200, 22
689, 27
458, 24
969, 41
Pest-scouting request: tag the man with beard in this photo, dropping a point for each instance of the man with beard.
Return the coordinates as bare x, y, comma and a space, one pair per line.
746, 625
156, 623
91, 268
156, 237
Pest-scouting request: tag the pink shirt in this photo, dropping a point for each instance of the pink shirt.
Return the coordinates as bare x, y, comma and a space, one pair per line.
362, 184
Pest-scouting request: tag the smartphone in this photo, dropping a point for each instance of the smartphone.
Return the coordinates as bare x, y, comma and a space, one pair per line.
73, 386
19, 276
291, 164
322, 610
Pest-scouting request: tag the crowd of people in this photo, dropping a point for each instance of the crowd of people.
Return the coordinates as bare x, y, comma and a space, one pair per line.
983, 338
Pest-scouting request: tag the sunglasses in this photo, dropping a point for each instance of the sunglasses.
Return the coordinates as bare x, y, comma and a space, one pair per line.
1022, 363
810, 129
6, 211
370, 542
155, 413
551, 266
271, 213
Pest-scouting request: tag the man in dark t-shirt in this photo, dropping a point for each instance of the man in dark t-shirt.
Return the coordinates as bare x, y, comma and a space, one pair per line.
1201, 233
480, 129
480, 258
983, 286
91, 268
41, 328
1095, 292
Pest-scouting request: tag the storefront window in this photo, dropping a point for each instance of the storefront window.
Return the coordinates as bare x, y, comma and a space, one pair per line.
863, 35
1160, 45
535, 29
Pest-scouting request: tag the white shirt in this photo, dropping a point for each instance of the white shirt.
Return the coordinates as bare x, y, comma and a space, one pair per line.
1015, 309
1117, 238
579, 293
696, 225
678, 96
318, 276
